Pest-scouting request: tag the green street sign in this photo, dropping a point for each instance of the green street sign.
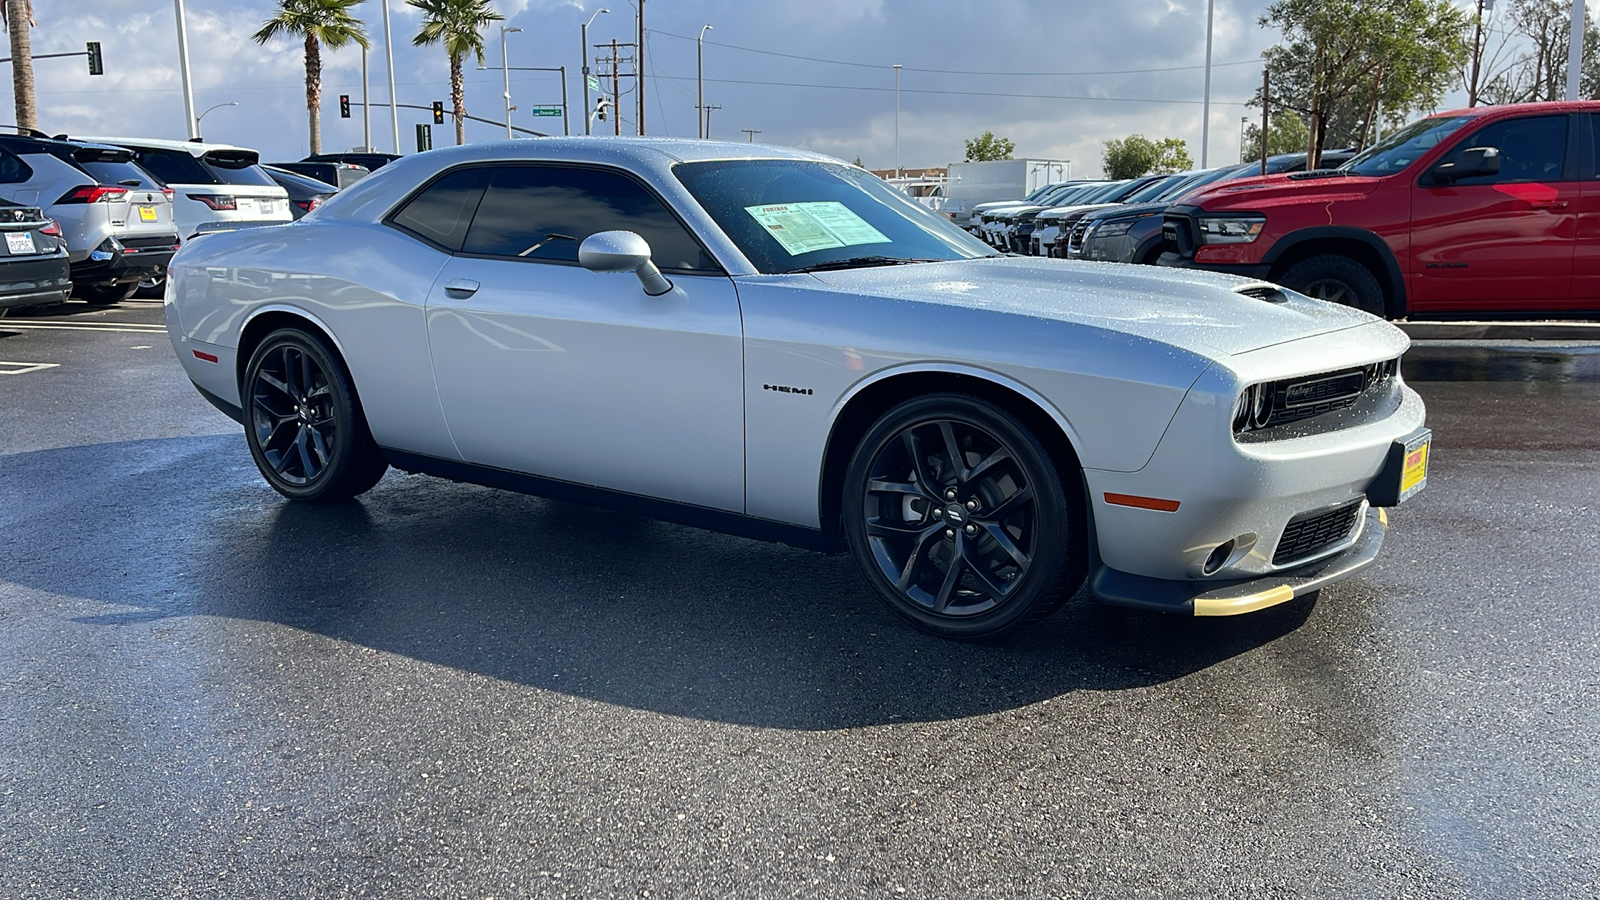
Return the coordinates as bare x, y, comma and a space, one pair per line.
547, 110
594, 83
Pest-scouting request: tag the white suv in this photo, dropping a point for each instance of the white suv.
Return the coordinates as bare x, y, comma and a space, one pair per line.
209, 182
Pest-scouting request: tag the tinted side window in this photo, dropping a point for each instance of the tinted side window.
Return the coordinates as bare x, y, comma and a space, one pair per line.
12, 169
1531, 149
174, 167
545, 212
441, 213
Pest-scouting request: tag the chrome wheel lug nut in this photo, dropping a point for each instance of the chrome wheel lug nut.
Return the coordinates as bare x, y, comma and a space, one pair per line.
972, 504
938, 513
950, 494
972, 529
950, 533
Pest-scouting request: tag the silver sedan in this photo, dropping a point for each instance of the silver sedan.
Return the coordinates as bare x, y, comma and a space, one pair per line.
777, 344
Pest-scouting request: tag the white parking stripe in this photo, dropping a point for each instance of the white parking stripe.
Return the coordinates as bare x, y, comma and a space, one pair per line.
23, 368
125, 327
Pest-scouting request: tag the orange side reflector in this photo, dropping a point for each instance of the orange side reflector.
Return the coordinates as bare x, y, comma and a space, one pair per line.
1142, 502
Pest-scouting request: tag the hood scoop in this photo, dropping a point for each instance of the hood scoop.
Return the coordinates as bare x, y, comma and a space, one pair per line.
1263, 291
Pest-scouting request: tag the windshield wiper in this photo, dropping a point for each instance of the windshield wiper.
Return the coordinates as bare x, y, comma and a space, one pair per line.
1318, 173
861, 262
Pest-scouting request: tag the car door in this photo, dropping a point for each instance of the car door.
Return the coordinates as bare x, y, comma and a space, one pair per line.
549, 369
1499, 242
1586, 256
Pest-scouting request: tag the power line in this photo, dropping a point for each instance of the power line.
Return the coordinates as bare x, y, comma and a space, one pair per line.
887, 90
860, 65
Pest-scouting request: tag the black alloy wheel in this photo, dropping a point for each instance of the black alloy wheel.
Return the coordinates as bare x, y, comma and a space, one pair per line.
304, 423
959, 519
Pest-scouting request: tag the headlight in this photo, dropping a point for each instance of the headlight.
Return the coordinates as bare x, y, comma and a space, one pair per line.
1231, 229
1109, 229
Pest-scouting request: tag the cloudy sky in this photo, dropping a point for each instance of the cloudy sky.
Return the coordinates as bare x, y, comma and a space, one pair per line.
1059, 77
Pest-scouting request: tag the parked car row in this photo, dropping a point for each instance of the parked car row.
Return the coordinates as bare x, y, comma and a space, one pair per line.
109, 212
1058, 219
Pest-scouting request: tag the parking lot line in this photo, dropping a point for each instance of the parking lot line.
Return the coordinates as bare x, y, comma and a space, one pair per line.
23, 368
125, 327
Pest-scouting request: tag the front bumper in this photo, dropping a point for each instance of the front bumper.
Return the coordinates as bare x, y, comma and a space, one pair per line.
1256, 271
1238, 597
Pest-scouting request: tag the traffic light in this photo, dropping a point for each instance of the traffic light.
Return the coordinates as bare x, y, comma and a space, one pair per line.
97, 65
438, 112
344, 106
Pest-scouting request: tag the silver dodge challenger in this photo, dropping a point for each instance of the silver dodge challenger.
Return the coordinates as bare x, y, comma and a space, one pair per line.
777, 344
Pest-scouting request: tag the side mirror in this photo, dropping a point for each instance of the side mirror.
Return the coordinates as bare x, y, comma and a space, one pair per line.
1472, 163
623, 251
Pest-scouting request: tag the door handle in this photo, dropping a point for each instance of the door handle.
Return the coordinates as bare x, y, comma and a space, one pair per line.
1550, 204
461, 287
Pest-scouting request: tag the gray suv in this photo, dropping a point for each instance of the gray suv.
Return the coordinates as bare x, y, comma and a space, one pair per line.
115, 219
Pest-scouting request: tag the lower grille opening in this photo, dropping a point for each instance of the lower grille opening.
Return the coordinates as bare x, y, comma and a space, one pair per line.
1313, 532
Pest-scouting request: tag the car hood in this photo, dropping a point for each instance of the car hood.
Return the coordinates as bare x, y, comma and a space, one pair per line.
1280, 190
1129, 211
1195, 310
1058, 211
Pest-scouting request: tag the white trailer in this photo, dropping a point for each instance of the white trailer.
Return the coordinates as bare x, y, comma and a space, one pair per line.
971, 183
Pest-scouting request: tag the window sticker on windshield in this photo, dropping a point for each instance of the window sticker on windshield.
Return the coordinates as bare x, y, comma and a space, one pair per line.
804, 227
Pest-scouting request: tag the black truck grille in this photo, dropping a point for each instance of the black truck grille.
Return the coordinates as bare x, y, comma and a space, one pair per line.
1075, 243
1310, 533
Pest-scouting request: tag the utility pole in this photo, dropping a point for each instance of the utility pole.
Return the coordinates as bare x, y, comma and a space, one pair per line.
583, 60
1574, 49
1266, 106
708, 119
1205, 109
639, 68
700, 93
183, 70
1477, 56
388, 48
615, 61
751, 132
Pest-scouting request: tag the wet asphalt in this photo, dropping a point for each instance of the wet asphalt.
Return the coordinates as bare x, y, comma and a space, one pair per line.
445, 691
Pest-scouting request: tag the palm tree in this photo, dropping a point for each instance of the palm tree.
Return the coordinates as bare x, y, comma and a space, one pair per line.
318, 22
458, 24
18, 21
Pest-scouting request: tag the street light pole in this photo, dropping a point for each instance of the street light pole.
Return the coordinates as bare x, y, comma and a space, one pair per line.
388, 49
751, 132
583, 59
192, 123
700, 95
366, 110
198, 119
1205, 109
505, 71
1243, 121
897, 120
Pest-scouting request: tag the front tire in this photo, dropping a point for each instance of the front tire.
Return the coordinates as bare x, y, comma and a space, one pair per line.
304, 423
959, 518
1336, 279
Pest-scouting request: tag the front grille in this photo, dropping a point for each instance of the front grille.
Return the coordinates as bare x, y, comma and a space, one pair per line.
1177, 236
1075, 242
1310, 533
1294, 399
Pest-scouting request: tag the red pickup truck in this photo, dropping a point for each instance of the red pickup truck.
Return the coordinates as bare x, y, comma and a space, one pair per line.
1486, 210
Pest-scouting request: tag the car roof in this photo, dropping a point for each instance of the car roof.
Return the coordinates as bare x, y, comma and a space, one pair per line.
44, 144
194, 148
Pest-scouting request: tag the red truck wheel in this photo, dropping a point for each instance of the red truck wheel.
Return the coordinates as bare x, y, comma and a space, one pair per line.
1337, 279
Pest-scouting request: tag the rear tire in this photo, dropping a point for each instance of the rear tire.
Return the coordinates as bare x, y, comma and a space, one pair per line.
104, 294
1336, 279
304, 423
959, 519
152, 288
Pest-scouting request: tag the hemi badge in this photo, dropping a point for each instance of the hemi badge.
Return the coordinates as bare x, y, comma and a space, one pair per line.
211, 359
1142, 502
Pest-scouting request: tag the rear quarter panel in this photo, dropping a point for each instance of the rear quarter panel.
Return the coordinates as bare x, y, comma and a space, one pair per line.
365, 284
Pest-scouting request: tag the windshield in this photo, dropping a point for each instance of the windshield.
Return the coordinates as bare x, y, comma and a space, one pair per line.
1156, 188
786, 215
1404, 147
1103, 193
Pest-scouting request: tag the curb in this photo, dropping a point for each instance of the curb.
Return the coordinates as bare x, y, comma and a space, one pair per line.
1501, 331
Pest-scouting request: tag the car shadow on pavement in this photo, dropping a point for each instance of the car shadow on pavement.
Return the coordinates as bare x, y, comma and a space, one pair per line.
595, 604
